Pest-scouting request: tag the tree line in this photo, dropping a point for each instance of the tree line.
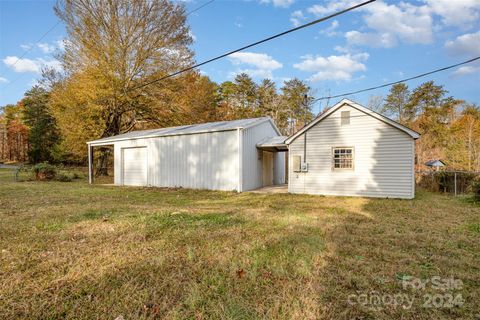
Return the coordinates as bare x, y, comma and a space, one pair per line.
450, 127
115, 50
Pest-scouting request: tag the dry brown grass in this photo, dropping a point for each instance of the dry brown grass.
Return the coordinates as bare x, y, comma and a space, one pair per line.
68, 250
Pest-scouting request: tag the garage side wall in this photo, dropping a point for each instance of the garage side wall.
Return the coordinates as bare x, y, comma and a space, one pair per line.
252, 176
197, 161
383, 158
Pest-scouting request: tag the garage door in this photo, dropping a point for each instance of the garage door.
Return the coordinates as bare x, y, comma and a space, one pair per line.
135, 166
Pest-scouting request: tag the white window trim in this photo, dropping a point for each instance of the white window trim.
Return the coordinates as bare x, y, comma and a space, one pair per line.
353, 158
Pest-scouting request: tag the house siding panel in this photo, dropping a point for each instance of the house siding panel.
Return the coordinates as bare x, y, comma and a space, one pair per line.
383, 158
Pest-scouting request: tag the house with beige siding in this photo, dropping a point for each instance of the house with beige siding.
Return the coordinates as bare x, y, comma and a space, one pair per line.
348, 150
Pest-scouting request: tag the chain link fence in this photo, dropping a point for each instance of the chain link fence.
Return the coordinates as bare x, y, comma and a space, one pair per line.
453, 182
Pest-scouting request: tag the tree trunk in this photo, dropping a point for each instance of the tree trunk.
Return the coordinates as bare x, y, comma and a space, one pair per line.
102, 162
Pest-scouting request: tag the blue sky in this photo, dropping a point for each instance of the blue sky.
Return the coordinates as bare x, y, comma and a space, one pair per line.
382, 42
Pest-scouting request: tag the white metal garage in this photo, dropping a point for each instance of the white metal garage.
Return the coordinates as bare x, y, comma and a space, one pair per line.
217, 156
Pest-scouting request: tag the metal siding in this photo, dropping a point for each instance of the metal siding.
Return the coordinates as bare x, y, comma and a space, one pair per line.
252, 160
198, 161
383, 158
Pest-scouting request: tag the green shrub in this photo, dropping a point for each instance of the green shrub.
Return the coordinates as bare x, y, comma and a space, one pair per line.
44, 171
62, 177
475, 189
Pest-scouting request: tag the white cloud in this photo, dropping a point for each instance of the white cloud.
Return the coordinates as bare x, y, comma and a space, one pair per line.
28, 65
466, 44
297, 17
279, 3
21, 65
341, 49
384, 40
403, 22
330, 7
339, 68
461, 13
51, 64
389, 23
331, 30
192, 35
263, 64
283, 3
464, 70
46, 48
61, 44
259, 60
26, 46
3, 80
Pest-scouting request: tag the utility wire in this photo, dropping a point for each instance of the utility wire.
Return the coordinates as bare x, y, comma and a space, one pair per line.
200, 7
399, 81
253, 44
33, 46
59, 21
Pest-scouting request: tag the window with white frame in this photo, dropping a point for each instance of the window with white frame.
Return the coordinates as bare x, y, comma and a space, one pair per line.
342, 158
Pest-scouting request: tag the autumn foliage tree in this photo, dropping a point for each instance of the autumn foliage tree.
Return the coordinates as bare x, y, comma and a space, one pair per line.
112, 49
14, 134
450, 128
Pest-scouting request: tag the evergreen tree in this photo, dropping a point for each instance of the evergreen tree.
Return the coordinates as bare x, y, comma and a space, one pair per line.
245, 95
44, 136
297, 102
269, 104
395, 105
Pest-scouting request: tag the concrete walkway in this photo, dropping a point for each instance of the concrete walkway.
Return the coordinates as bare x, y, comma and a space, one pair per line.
281, 188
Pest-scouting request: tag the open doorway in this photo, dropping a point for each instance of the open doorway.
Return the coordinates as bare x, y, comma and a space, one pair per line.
267, 168
101, 164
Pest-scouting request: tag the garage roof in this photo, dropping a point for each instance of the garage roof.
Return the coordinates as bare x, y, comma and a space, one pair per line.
188, 129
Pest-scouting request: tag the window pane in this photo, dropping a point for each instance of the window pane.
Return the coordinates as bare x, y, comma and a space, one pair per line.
343, 158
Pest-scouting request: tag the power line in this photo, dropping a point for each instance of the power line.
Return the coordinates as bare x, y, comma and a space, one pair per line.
254, 44
200, 7
58, 22
31, 48
399, 81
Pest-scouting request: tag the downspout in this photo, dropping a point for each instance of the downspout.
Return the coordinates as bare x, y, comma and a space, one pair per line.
305, 147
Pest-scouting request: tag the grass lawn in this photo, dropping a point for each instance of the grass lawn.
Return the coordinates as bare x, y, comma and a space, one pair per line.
69, 250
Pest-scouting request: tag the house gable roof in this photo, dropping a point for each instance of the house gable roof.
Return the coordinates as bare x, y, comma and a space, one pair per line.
435, 163
376, 115
188, 129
